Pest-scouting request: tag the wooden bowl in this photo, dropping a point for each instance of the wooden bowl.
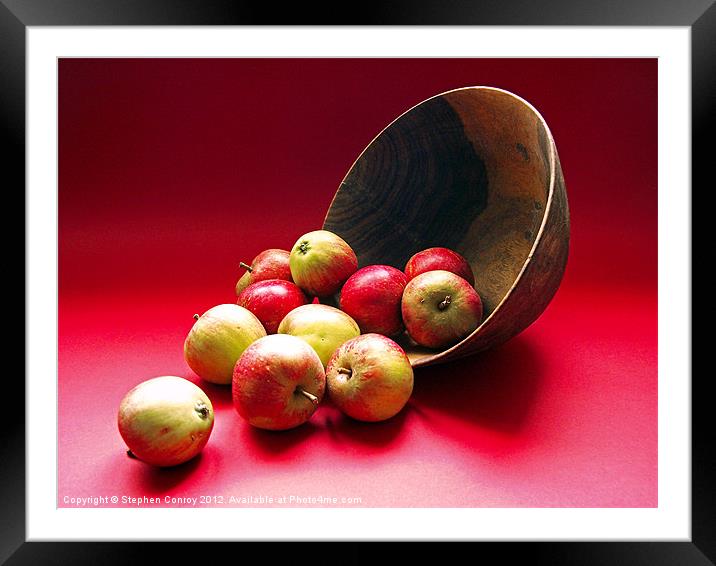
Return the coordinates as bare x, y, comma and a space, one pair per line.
476, 170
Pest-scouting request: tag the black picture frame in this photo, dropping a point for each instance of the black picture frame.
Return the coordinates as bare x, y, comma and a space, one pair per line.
698, 15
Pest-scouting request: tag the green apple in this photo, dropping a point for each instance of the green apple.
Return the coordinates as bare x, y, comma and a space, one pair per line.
320, 263
369, 378
217, 340
166, 420
323, 327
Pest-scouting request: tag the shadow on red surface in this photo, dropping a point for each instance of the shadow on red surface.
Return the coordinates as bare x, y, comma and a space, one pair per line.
345, 430
159, 480
275, 443
494, 389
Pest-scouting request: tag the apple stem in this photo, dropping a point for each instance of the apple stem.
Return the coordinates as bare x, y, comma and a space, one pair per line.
345, 371
445, 302
196, 317
131, 454
310, 396
246, 267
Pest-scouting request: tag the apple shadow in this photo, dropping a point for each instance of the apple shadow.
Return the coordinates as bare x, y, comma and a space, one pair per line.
160, 480
494, 389
276, 442
343, 428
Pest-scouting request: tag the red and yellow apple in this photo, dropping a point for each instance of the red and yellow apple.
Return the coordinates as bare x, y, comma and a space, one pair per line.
320, 262
166, 420
440, 308
269, 264
278, 382
372, 295
218, 338
369, 378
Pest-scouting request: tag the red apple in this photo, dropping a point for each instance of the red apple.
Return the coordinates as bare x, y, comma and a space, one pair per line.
271, 301
369, 378
218, 338
278, 382
321, 261
166, 420
440, 308
269, 264
371, 296
439, 258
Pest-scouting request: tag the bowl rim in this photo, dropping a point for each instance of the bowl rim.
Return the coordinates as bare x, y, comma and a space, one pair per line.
550, 197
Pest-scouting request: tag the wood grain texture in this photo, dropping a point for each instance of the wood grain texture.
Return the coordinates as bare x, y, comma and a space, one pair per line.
476, 170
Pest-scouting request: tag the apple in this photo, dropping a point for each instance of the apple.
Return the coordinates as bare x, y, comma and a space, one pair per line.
371, 296
271, 301
269, 264
440, 308
218, 338
323, 327
434, 259
165, 421
278, 382
369, 378
320, 262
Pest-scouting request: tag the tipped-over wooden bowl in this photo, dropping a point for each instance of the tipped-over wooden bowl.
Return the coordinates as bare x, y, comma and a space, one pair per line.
476, 170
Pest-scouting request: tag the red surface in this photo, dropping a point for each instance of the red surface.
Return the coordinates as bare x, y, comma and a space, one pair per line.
172, 171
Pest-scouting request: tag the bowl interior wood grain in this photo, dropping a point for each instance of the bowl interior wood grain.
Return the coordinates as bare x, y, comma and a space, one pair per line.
475, 170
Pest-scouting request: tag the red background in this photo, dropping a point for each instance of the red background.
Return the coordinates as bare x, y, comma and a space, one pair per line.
172, 171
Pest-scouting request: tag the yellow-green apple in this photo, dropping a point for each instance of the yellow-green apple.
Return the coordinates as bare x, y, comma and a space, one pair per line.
320, 262
440, 308
369, 378
269, 264
439, 258
371, 296
165, 421
278, 382
323, 327
218, 338
271, 301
